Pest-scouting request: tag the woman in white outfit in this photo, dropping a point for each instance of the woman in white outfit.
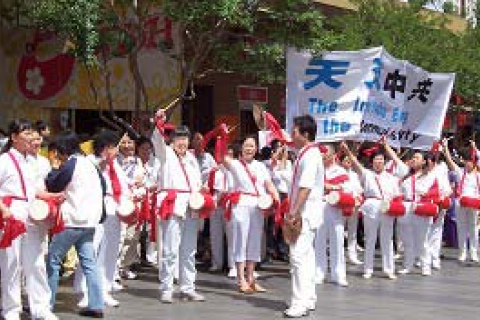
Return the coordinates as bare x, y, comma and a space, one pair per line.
25, 254
251, 179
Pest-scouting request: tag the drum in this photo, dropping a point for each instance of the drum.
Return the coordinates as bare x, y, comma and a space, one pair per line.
196, 201
127, 211
393, 208
265, 202
39, 211
468, 202
426, 209
340, 199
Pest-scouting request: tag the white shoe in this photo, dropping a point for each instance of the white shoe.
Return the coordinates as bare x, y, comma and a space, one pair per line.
397, 256
110, 301
117, 286
418, 264
342, 283
232, 273
391, 275
474, 256
256, 275
355, 261
47, 315
312, 306
296, 312
127, 274
12, 317
166, 297
359, 248
426, 272
463, 256
436, 264
83, 303
367, 275
404, 271
192, 296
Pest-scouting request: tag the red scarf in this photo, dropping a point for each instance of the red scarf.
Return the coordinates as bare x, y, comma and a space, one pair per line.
116, 186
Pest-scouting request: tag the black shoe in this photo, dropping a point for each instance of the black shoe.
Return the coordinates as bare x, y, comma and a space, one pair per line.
91, 313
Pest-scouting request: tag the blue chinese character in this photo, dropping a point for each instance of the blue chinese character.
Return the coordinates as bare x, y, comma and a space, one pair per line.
377, 72
324, 74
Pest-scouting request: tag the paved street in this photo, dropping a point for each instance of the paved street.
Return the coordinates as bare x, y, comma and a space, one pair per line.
453, 293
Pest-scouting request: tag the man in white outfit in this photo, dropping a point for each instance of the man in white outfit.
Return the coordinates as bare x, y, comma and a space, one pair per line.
179, 177
305, 195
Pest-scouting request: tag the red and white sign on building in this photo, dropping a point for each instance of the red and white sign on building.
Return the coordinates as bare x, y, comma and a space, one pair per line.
252, 94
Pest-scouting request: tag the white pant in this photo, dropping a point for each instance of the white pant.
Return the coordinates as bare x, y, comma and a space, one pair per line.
302, 261
372, 222
332, 230
467, 228
435, 237
129, 245
218, 227
421, 230
406, 234
25, 254
247, 230
352, 225
179, 244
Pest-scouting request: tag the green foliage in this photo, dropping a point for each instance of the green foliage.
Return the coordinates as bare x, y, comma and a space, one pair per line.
78, 20
416, 35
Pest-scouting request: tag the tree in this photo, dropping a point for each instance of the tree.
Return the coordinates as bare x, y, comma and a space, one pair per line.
411, 33
245, 36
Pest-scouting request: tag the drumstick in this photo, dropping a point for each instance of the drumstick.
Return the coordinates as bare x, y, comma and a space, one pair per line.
229, 130
171, 104
120, 141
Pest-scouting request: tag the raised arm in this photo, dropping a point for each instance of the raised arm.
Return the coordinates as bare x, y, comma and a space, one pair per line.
448, 157
357, 166
158, 140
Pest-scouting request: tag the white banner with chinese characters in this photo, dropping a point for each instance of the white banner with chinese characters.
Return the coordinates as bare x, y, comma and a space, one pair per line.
362, 95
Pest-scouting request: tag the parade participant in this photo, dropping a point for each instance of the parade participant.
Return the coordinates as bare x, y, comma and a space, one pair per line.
134, 171
468, 188
82, 211
250, 181
332, 230
378, 186
24, 252
440, 170
107, 239
352, 220
415, 225
306, 193
151, 165
179, 177
280, 169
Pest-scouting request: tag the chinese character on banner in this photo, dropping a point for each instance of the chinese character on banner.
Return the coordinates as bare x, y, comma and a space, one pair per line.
324, 70
421, 91
377, 73
395, 82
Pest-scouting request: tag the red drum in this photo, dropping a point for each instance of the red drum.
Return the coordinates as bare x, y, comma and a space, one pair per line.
393, 208
127, 212
426, 209
468, 202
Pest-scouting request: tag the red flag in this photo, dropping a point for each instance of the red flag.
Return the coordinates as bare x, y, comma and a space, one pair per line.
276, 129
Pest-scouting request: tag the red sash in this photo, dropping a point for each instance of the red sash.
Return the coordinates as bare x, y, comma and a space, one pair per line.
13, 228
251, 176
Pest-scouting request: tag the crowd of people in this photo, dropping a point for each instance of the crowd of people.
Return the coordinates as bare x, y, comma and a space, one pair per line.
314, 205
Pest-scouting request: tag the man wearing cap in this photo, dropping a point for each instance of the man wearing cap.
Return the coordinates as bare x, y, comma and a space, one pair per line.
180, 176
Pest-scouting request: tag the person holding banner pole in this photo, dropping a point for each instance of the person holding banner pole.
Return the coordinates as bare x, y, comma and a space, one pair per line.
306, 193
468, 188
379, 186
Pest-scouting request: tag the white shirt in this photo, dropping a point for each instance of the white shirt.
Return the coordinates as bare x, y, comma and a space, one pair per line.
206, 164
355, 185
281, 177
308, 173
10, 183
243, 183
377, 187
172, 176
471, 183
40, 168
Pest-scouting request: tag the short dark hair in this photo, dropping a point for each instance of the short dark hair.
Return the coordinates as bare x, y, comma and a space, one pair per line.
306, 125
376, 153
181, 131
16, 126
104, 139
40, 126
141, 141
67, 143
